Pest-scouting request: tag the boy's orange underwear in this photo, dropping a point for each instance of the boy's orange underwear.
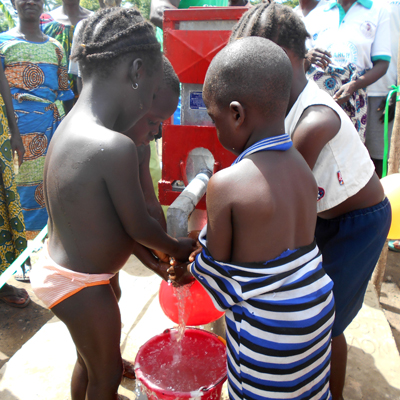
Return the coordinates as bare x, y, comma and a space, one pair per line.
53, 283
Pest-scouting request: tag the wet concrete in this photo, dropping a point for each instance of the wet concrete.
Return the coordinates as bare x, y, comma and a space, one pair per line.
42, 368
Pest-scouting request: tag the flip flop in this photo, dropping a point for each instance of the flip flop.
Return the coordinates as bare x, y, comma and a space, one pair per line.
394, 247
12, 292
23, 275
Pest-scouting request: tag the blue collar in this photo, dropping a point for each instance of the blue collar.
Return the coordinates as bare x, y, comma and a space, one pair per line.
281, 143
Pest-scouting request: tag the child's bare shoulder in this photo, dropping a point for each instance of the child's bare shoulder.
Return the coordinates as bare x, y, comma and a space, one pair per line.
89, 137
229, 184
93, 147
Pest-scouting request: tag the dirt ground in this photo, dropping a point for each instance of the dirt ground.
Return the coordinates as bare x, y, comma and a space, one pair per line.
17, 326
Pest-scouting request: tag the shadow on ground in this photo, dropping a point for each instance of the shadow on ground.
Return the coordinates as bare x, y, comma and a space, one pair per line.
364, 368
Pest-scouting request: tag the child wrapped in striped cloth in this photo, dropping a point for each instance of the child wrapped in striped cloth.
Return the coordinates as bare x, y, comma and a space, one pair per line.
279, 313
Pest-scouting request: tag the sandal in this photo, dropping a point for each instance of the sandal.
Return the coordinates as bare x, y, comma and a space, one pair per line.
23, 275
11, 295
394, 245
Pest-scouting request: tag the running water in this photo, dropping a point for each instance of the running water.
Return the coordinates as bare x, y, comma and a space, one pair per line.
182, 293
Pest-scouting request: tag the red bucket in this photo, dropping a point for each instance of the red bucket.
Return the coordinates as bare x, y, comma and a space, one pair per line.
193, 368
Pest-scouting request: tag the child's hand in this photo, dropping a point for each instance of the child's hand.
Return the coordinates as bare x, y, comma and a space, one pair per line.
186, 247
179, 274
194, 235
163, 257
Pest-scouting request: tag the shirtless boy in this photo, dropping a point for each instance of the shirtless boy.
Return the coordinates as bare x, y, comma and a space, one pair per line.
164, 105
279, 313
97, 211
353, 214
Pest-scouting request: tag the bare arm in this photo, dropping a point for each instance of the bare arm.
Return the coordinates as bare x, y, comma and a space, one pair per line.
392, 108
120, 160
317, 126
157, 8
377, 71
153, 205
147, 258
16, 141
219, 218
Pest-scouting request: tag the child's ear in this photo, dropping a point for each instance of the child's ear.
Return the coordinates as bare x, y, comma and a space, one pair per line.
237, 113
136, 71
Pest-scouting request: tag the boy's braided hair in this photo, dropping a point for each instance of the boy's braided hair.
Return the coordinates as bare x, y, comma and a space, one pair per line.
112, 33
275, 22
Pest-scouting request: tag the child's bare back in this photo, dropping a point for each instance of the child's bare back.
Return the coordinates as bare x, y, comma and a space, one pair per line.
90, 179
262, 206
97, 212
259, 261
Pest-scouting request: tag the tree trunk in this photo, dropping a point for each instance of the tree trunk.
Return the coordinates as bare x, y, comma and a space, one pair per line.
393, 167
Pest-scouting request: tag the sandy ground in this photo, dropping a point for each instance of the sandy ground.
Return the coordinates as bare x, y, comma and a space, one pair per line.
17, 326
45, 361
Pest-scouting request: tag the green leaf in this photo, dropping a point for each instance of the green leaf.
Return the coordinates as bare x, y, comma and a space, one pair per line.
9, 14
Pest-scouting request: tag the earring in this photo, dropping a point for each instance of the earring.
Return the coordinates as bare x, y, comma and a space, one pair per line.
135, 87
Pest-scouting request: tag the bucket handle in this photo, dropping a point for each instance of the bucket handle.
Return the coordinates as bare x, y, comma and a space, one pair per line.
206, 389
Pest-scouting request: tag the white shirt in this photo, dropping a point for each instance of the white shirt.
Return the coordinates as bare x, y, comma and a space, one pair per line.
343, 166
381, 87
311, 21
360, 36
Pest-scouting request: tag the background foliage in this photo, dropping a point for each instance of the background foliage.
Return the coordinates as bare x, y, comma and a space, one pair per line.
8, 16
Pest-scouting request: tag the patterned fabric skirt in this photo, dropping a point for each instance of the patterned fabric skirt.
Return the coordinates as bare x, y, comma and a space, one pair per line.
37, 122
64, 34
332, 79
12, 229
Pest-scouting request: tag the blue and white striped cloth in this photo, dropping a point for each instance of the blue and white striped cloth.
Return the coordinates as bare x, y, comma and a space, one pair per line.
279, 317
281, 143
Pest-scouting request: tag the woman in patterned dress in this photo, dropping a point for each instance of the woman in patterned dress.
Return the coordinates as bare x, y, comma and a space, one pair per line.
12, 229
350, 51
60, 25
35, 67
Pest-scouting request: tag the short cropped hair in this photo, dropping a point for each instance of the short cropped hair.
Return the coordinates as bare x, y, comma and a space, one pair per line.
254, 71
275, 22
171, 80
112, 33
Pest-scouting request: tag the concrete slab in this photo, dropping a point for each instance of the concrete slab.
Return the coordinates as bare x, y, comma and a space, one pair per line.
42, 368
373, 369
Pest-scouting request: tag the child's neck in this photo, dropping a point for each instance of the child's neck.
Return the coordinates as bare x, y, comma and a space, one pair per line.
299, 82
265, 131
93, 104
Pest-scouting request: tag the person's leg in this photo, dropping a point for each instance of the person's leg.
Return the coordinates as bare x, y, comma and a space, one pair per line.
129, 370
14, 297
350, 246
114, 282
79, 381
338, 366
94, 322
374, 140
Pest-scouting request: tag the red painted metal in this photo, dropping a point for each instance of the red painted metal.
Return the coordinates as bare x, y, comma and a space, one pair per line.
190, 52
